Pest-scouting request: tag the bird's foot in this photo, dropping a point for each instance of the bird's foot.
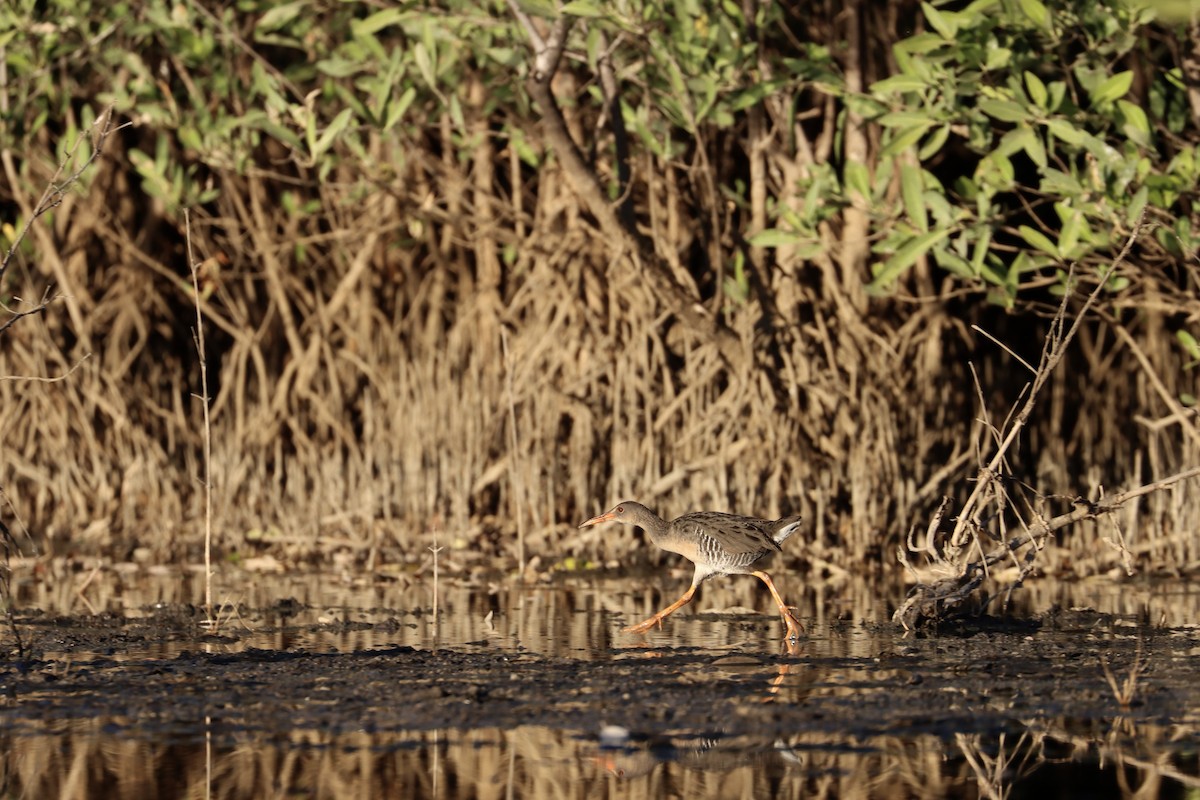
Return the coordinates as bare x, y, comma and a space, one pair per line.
644, 626
794, 626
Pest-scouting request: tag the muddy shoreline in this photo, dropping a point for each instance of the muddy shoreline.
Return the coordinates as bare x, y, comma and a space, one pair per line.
984, 679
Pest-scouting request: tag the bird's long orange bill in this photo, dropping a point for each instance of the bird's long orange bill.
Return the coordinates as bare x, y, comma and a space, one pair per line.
605, 517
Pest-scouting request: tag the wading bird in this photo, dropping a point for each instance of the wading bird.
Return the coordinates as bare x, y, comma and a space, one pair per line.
718, 544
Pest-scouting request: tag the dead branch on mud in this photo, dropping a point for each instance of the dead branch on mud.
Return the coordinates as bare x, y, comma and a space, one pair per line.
929, 602
932, 601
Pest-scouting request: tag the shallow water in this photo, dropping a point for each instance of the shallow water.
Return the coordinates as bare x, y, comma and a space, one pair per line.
354, 687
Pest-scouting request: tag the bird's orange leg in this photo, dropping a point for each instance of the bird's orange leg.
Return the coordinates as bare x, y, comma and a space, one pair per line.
794, 626
657, 619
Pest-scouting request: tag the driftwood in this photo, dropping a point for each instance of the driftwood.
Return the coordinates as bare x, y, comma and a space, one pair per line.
931, 602
961, 558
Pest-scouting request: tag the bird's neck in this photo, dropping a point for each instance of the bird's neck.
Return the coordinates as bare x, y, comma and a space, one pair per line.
655, 527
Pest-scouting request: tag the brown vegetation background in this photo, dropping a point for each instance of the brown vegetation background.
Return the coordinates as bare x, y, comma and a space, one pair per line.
436, 338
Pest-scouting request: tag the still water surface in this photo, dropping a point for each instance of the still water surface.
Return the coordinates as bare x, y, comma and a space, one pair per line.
860, 711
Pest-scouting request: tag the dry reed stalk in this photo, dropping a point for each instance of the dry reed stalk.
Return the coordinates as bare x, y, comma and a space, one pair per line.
198, 336
514, 444
436, 550
1125, 690
996, 775
208, 758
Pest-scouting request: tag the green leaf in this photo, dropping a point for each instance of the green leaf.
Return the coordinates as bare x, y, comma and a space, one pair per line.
1057, 182
1065, 131
904, 119
920, 44
898, 83
905, 139
1003, 110
1036, 151
1015, 140
1115, 87
1037, 89
904, 258
398, 106
775, 237
337, 67
912, 186
934, 143
332, 132
1137, 126
953, 263
1190, 346
279, 16
377, 22
857, 180
583, 8
998, 58
1069, 236
424, 63
981, 247
1058, 91
945, 24
1038, 240
1136, 204
1037, 12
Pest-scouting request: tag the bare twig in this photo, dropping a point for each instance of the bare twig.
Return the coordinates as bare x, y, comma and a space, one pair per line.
41, 306
1004, 347
56, 190
199, 338
436, 549
1055, 348
41, 379
1125, 690
1178, 412
514, 445
9, 543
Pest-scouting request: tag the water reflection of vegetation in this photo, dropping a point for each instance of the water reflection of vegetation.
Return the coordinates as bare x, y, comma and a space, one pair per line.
80, 760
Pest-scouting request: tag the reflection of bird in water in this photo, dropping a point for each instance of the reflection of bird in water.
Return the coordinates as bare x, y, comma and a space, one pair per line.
620, 756
718, 544
627, 755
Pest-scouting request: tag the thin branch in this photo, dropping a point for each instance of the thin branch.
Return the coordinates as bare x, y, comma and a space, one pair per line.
199, 336
54, 193
1004, 347
42, 305
40, 379
1052, 354
1178, 412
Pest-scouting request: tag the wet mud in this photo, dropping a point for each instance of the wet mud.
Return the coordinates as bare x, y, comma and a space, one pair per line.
1060, 672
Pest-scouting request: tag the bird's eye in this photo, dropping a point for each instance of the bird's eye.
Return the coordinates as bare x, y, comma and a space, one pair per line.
620, 509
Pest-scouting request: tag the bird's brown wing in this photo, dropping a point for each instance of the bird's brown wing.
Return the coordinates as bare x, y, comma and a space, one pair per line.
736, 535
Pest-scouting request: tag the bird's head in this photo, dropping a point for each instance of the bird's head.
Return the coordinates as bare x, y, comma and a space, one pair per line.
629, 512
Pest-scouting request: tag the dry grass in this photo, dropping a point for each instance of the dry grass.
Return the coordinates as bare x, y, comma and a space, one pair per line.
362, 398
